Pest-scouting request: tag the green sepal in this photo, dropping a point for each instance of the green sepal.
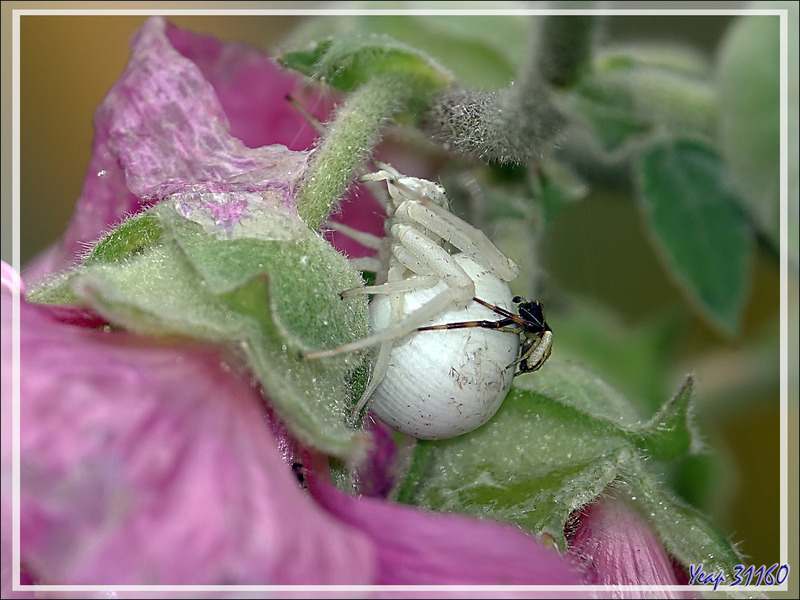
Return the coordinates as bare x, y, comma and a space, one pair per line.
131, 237
685, 533
668, 434
559, 439
268, 289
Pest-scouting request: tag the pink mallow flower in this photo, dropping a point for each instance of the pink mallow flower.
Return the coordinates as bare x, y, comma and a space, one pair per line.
147, 461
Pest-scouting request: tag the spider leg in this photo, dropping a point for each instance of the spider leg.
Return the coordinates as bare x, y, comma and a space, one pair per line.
378, 373
502, 311
404, 285
502, 325
362, 237
397, 329
470, 240
382, 175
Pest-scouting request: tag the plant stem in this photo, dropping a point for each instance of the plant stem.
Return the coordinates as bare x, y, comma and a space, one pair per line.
353, 133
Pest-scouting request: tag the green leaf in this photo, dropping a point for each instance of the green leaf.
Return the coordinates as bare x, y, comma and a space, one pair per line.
269, 286
627, 97
697, 227
560, 437
749, 96
349, 61
483, 52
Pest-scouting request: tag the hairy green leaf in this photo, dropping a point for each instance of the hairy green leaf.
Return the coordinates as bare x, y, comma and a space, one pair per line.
697, 226
268, 287
482, 51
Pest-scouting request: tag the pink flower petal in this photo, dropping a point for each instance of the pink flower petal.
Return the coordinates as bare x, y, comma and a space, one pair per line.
618, 547
252, 90
154, 464
376, 476
422, 548
162, 128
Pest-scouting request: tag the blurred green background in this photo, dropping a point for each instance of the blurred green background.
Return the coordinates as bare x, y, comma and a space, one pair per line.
596, 250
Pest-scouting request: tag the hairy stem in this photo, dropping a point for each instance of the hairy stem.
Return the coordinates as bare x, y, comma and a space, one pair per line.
353, 133
521, 122
564, 48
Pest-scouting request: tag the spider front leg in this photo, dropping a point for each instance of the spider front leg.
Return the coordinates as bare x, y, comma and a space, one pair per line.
402, 188
470, 240
458, 290
368, 240
504, 325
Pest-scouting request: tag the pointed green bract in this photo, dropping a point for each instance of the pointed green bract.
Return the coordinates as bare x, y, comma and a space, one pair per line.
126, 241
697, 226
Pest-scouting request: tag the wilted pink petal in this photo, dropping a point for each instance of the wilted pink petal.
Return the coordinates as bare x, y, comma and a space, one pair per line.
376, 475
422, 548
162, 127
618, 547
154, 464
252, 89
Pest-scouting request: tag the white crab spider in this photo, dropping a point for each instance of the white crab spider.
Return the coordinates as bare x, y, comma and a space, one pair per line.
426, 384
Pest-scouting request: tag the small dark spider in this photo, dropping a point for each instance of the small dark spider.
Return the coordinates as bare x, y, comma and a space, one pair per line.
530, 322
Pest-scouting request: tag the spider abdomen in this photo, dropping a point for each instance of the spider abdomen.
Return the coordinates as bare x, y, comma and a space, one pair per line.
440, 384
